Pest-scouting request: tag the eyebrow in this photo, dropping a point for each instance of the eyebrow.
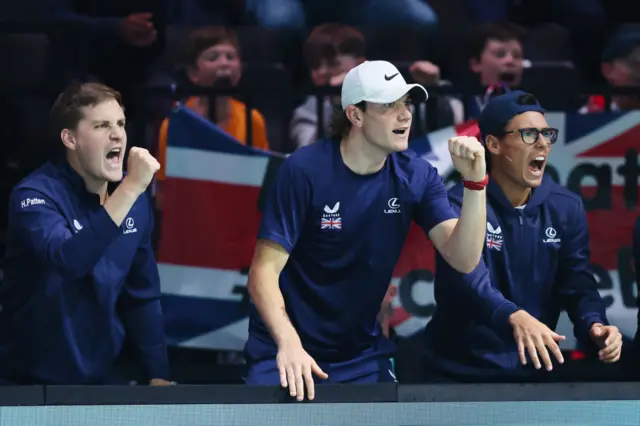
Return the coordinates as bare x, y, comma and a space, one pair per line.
95, 122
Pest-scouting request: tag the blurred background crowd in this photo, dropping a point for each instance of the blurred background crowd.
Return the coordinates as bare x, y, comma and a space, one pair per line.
264, 70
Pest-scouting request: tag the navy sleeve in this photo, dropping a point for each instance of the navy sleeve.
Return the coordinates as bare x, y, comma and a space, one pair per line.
476, 291
575, 283
141, 311
433, 207
286, 206
38, 225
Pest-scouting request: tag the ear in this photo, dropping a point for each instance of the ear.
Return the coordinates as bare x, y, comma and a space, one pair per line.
354, 114
474, 65
192, 74
68, 139
492, 145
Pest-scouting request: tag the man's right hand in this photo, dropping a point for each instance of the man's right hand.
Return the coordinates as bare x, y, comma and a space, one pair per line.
296, 369
535, 337
141, 166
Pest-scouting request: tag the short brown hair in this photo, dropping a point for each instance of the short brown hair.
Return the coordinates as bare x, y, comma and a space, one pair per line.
327, 41
201, 39
67, 112
340, 123
500, 31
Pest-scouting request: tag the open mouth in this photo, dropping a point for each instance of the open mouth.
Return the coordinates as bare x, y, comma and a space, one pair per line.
536, 166
114, 156
401, 131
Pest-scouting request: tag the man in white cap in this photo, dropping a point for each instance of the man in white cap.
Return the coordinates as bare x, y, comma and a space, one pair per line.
333, 228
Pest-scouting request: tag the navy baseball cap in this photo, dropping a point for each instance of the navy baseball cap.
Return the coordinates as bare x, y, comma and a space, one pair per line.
501, 109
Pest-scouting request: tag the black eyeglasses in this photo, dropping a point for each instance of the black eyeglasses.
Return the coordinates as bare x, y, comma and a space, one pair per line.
530, 135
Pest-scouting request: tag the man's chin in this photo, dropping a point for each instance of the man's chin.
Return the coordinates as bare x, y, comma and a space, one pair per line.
113, 175
400, 145
533, 182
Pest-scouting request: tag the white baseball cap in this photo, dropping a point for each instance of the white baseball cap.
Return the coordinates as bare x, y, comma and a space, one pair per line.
379, 82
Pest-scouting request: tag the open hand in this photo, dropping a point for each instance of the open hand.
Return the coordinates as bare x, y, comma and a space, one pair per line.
536, 338
296, 369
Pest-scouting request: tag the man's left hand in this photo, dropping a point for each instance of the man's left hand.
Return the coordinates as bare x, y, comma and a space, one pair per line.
159, 382
609, 340
467, 154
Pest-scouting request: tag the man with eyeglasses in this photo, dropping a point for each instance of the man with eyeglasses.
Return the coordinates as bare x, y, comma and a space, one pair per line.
535, 264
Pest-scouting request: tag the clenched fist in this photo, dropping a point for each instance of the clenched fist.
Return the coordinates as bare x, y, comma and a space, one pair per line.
141, 166
467, 154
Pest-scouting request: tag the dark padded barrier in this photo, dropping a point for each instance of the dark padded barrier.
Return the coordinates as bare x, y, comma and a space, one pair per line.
519, 392
223, 394
325, 394
13, 396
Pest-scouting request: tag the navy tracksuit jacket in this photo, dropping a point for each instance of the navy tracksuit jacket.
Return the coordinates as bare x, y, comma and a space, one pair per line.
75, 284
536, 258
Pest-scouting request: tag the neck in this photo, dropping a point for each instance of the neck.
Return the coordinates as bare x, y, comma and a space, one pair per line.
360, 156
516, 194
93, 186
222, 108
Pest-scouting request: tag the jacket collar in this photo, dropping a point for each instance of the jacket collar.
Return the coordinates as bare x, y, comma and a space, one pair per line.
76, 182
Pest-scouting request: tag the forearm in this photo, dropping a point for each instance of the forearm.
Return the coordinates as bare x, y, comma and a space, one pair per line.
74, 257
579, 296
266, 295
464, 248
145, 326
476, 292
120, 202
584, 311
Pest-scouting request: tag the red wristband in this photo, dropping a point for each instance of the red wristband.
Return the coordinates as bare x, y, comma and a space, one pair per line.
476, 186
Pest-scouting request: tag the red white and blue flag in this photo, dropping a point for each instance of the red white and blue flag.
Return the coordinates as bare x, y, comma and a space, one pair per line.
215, 187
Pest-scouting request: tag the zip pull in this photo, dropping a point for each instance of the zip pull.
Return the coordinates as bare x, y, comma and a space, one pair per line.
520, 219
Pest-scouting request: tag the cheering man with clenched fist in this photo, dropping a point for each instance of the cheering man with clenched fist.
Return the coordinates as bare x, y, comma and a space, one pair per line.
80, 272
334, 225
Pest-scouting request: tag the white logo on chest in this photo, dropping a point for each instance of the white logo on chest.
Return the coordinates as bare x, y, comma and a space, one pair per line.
331, 217
494, 237
551, 235
394, 206
129, 224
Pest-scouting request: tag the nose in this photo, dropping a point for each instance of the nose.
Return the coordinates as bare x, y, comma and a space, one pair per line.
117, 133
509, 59
405, 114
543, 142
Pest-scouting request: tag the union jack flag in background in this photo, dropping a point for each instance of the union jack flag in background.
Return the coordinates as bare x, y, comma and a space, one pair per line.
215, 186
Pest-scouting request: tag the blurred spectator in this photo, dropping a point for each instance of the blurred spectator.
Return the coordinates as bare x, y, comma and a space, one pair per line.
621, 68
330, 51
450, 111
307, 13
496, 56
115, 41
586, 19
213, 60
